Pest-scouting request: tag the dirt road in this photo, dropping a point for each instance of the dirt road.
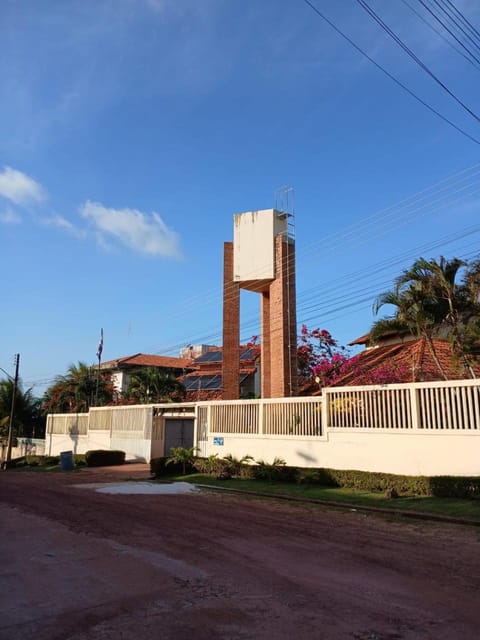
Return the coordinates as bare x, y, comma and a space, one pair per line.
82, 565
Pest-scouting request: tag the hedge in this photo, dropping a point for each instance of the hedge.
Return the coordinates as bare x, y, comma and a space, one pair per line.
104, 458
159, 467
438, 486
455, 486
41, 461
366, 481
228, 467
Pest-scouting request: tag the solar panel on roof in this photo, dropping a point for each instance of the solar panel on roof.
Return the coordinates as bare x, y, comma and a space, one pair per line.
191, 382
247, 354
210, 356
197, 383
215, 382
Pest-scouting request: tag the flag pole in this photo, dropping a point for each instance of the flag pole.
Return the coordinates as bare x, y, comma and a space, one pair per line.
99, 356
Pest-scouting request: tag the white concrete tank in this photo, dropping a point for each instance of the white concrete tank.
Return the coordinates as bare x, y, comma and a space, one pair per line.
254, 234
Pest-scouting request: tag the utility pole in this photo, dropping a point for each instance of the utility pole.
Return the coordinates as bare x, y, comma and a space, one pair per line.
8, 457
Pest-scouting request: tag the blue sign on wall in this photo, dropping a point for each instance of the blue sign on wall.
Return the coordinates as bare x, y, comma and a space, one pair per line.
218, 441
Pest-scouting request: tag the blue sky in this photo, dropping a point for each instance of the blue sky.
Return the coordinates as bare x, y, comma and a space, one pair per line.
131, 131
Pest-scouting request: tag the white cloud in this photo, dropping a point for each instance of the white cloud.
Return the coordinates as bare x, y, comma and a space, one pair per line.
65, 225
10, 217
140, 231
20, 188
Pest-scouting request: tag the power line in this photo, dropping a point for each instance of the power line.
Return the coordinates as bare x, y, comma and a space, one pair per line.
330, 307
381, 222
440, 35
364, 4
389, 75
377, 268
341, 241
453, 20
432, 13
466, 22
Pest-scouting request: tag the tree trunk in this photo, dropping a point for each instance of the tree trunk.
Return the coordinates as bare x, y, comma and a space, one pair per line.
435, 357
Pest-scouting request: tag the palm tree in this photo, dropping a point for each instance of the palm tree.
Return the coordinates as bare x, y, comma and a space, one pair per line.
430, 300
414, 314
182, 455
79, 389
438, 281
27, 420
151, 384
469, 331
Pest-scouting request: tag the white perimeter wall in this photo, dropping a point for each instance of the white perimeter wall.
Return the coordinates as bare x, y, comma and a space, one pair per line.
135, 448
56, 443
400, 453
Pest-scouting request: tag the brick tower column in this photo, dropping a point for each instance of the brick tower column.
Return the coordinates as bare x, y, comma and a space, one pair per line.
265, 361
231, 328
283, 322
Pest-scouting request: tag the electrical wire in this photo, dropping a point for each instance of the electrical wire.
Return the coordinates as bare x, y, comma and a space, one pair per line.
379, 223
364, 4
453, 20
371, 237
389, 75
461, 16
440, 21
385, 265
440, 35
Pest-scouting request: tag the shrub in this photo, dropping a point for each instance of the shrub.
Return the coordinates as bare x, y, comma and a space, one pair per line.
455, 487
41, 461
276, 470
439, 486
219, 468
79, 459
104, 458
182, 455
159, 467
49, 461
15, 462
224, 468
236, 465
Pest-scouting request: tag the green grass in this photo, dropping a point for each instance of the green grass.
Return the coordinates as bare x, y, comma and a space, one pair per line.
424, 504
36, 469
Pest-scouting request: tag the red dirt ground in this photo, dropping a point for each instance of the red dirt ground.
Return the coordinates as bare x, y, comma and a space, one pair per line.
78, 565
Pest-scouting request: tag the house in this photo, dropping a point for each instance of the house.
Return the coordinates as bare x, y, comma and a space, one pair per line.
399, 357
122, 368
205, 382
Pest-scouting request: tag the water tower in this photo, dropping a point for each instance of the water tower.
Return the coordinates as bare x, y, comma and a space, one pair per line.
261, 258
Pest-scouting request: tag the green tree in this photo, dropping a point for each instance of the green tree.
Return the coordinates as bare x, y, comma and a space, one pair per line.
430, 300
77, 390
27, 417
151, 384
182, 455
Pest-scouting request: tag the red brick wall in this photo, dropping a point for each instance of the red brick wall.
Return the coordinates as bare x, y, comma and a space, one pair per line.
279, 327
231, 328
283, 322
265, 361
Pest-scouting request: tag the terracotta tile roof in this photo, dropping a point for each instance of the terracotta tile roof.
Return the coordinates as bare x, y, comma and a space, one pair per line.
392, 333
410, 361
413, 361
145, 360
361, 340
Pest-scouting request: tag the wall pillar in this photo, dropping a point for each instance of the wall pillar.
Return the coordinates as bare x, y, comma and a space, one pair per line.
231, 328
266, 354
283, 322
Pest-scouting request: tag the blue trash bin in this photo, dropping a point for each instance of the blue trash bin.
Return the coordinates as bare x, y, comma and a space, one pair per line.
66, 460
